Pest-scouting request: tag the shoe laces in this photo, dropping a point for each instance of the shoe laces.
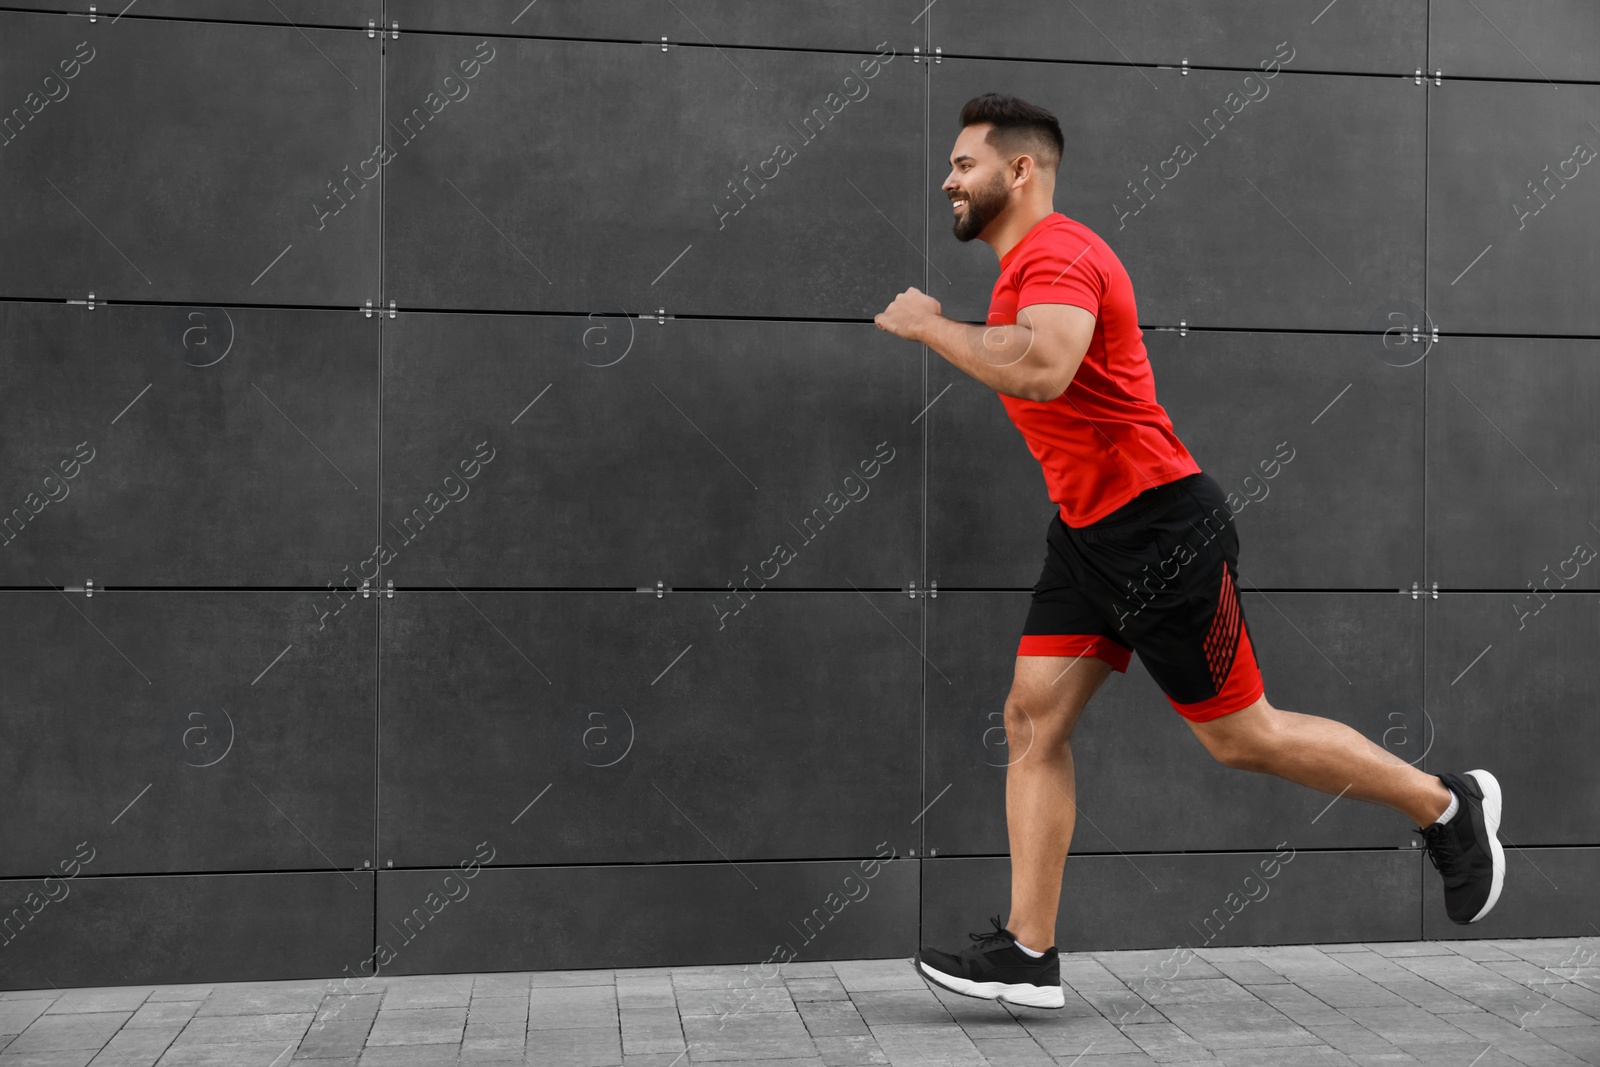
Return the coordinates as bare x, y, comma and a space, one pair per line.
1444, 851
998, 935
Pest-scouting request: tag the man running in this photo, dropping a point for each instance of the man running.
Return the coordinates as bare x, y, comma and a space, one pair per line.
1141, 557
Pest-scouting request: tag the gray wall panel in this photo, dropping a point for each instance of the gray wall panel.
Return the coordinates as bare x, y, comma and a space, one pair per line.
1335, 214
1144, 781
831, 24
831, 226
792, 731
1511, 688
350, 13
627, 452
1554, 39
185, 731
1197, 900
1364, 35
554, 918
1513, 463
1549, 892
224, 446
1345, 511
1512, 207
193, 928
195, 181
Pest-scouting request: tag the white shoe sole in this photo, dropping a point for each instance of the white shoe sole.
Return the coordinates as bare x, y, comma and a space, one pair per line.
1010, 993
1491, 821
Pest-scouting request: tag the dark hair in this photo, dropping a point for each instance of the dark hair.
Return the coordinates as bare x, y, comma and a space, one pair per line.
1018, 127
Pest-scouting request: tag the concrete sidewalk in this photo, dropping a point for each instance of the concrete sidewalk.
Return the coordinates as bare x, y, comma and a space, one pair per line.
1463, 1004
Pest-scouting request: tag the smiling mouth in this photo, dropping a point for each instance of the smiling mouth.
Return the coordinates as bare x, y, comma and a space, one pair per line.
957, 205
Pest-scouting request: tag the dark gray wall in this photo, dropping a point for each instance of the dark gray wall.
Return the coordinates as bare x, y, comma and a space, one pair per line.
231, 763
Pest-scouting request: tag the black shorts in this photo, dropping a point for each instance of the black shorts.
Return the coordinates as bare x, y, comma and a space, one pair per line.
1157, 577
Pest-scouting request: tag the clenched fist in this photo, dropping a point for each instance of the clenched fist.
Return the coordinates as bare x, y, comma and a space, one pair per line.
907, 315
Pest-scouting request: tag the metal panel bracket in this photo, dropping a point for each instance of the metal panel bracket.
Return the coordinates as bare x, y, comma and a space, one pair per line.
1183, 327
369, 309
1184, 69
389, 590
660, 317
372, 28
391, 309
1414, 593
1436, 590
366, 588
1418, 75
394, 31
911, 590
916, 53
663, 44
89, 302
660, 589
933, 589
938, 55
1438, 77
91, 13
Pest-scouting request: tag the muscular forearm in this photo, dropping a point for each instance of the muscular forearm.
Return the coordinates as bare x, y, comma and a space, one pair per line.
995, 355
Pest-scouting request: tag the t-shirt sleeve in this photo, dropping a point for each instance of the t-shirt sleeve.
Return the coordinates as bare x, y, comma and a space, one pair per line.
1063, 272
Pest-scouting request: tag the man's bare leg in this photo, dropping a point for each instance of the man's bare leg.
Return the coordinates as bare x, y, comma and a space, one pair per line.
1048, 694
1324, 755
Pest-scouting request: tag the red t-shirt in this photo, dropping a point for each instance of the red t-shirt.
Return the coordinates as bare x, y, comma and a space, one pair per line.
1105, 440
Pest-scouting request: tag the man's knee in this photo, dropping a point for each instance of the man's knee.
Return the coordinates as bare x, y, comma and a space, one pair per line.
1244, 739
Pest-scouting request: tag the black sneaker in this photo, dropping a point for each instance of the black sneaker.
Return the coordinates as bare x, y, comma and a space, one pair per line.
1466, 850
996, 969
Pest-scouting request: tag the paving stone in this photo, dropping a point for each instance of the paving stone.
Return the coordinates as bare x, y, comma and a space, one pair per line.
30, 994
407, 1056
418, 1026
1122, 1007
348, 1008
1353, 1039
334, 1040
832, 1018
557, 979
1165, 1042
1407, 1025
1225, 1026
1582, 1043
1249, 972
1299, 1005
1075, 1035
99, 1000
1123, 1059
1293, 1056
1348, 991
770, 1035
798, 969
1480, 950
988, 1019
1178, 963
137, 1048
850, 1050
726, 978
503, 984
159, 1013
860, 976
1428, 996
1012, 1052
1198, 991
1525, 1045
938, 1046
1339, 947
16, 1015
561, 1008
594, 1046
229, 1000
242, 1054
1403, 949
721, 1002
245, 1029
900, 1007
1301, 961
57, 1033
1084, 972
664, 1059
1458, 1053
429, 993
63, 1058
1380, 969
821, 988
